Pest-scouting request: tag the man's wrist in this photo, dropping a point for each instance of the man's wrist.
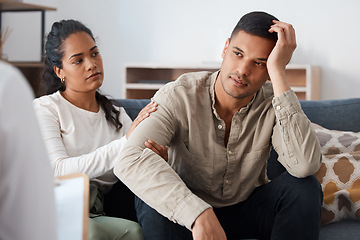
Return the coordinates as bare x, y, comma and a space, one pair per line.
189, 210
200, 216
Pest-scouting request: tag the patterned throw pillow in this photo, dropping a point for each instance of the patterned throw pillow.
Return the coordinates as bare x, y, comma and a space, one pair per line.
339, 174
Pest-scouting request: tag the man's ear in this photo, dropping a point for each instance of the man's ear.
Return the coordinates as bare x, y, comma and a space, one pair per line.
225, 47
58, 72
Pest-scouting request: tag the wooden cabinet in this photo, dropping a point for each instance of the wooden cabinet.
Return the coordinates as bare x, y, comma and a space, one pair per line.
142, 81
305, 81
31, 70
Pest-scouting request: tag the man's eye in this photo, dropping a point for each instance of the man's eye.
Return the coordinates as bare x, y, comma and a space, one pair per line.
95, 54
260, 64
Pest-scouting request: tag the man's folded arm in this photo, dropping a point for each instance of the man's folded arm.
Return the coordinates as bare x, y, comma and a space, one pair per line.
294, 139
151, 178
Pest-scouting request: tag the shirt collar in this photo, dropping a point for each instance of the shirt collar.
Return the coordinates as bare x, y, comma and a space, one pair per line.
213, 78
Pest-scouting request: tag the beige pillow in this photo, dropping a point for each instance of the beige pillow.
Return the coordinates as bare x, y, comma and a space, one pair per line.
339, 174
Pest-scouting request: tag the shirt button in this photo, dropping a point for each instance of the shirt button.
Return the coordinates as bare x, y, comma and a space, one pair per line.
278, 108
227, 181
230, 152
220, 127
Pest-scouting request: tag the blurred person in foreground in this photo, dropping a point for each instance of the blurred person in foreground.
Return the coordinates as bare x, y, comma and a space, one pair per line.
27, 204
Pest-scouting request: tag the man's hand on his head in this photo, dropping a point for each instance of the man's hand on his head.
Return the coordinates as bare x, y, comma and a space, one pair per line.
285, 45
281, 55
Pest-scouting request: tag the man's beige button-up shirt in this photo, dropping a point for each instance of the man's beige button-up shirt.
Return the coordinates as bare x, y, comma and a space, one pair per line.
201, 171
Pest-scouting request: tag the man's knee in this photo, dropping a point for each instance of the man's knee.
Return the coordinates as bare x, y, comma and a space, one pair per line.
303, 189
307, 190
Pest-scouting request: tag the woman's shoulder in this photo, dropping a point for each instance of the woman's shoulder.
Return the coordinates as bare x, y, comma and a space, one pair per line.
51, 102
54, 98
123, 114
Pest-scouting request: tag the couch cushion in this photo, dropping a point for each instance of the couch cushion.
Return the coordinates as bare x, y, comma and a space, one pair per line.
339, 174
344, 230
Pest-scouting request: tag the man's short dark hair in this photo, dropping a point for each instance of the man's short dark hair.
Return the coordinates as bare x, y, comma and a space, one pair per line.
256, 23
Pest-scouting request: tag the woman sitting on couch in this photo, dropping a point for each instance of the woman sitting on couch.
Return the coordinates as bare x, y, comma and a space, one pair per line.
83, 130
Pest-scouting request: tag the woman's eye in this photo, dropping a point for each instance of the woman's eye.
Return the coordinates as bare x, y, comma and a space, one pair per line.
78, 61
95, 54
238, 54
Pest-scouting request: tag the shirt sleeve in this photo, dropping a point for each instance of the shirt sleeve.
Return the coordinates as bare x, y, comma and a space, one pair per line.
94, 164
293, 138
150, 177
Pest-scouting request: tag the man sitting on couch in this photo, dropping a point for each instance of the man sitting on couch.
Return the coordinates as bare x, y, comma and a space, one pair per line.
220, 128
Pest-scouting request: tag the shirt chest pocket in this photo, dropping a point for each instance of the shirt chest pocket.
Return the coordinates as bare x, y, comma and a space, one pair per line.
253, 164
195, 171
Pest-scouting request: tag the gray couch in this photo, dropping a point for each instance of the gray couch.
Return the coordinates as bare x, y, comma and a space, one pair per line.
341, 114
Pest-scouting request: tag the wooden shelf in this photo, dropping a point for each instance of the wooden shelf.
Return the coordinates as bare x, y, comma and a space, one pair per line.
14, 6
304, 79
7, 6
139, 78
31, 70
28, 64
140, 86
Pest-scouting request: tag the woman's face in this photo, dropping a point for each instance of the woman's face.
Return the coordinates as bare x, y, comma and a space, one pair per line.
82, 64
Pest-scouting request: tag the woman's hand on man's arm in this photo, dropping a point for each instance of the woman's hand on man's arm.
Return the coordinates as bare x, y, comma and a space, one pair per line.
144, 113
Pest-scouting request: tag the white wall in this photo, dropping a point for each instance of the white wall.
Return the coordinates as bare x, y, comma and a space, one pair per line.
194, 31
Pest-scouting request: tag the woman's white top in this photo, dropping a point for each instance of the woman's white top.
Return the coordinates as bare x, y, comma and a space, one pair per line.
80, 141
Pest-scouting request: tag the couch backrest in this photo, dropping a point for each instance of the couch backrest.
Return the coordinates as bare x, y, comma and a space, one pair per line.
339, 114
132, 106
